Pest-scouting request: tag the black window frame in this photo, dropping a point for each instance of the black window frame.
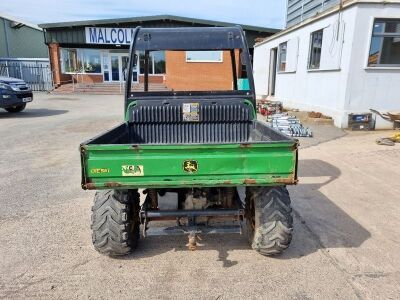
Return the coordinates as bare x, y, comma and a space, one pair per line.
312, 65
381, 35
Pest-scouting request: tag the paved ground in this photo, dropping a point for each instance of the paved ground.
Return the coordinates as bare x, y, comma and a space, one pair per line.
347, 221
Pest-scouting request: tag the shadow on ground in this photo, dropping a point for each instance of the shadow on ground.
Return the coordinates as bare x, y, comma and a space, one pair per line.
33, 113
319, 223
328, 225
65, 98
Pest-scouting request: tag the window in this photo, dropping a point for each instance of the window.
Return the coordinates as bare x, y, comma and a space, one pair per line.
385, 44
159, 62
156, 62
282, 57
80, 60
91, 60
70, 61
315, 50
203, 56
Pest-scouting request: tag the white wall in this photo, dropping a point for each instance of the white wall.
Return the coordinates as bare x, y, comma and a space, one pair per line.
322, 90
377, 88
342, 85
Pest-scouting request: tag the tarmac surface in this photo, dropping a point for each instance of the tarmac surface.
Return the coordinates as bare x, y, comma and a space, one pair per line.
346, 219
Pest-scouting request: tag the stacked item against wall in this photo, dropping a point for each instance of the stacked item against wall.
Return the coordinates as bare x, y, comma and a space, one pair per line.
268, 108
362, 121
289, 125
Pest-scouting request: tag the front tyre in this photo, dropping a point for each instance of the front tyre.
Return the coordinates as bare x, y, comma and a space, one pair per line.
16, 108
269, 219
115, 222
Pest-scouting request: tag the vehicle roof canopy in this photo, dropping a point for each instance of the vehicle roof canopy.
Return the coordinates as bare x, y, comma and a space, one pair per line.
190, 38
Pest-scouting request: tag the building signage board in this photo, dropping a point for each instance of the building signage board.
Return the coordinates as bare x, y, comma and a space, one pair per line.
106, 35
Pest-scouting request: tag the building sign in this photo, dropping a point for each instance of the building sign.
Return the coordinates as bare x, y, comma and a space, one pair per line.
112, 36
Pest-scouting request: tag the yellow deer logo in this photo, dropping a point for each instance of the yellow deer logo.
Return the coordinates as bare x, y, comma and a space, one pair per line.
190, 166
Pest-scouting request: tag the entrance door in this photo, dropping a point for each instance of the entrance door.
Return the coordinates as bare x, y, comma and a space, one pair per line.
115, 68
272, 71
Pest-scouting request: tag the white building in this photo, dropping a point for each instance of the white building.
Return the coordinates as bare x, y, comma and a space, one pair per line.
343, 60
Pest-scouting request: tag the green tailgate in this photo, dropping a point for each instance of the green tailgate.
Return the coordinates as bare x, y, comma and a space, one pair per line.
162, 166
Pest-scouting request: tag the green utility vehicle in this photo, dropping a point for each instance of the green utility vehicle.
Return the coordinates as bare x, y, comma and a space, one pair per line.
199, 158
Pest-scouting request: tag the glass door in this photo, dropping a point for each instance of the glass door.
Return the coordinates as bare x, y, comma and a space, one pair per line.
124, 69
115, 68
106, 68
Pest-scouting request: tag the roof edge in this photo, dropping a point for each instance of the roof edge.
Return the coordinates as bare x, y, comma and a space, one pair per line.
15, 19
154, 18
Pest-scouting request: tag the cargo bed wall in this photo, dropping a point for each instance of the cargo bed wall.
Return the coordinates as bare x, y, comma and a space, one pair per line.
189, 133
161, 166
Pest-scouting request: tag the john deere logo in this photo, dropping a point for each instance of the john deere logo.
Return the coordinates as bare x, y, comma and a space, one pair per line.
190, 166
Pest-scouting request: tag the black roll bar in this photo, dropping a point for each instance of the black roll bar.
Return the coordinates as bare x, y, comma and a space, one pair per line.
249, 68
204, 39
128, 83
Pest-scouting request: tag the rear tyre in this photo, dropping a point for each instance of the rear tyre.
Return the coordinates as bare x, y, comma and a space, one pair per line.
15, 109
269, 219
115, 222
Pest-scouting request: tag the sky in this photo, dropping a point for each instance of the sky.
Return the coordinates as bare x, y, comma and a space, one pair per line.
265, 13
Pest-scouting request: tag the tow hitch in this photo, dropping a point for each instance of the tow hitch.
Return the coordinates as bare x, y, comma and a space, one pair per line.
193, 223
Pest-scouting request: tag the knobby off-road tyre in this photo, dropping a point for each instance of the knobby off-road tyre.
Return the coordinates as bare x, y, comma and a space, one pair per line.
115, 222
269, 219
16, 109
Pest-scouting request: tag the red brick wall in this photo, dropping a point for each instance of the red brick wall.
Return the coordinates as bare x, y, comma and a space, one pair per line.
88, 78
152, 79
54, 57
198, 76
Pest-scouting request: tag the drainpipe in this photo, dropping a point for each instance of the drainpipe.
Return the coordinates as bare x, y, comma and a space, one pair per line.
6, 37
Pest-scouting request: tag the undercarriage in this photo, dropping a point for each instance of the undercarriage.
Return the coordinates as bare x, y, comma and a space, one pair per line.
195, 211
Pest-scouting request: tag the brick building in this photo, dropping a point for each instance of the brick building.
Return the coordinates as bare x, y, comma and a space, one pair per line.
97, 51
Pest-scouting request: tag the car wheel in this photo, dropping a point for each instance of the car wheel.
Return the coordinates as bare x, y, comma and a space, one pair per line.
16, 108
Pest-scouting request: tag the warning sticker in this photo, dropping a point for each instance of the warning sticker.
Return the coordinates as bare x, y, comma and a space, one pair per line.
100, 171
190, 112
132, 170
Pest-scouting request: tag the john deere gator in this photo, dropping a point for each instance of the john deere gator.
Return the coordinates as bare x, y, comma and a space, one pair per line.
198, 157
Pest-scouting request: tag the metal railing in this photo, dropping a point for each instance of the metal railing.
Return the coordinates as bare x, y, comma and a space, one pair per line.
35, 72
75, 79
